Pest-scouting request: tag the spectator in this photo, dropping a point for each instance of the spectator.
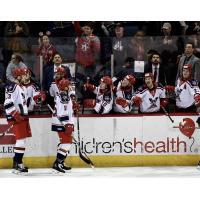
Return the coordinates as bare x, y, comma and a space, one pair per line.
16, 39
151, 97
50, 71
139, 46
189, 58
46, 49
16, 61
87, 54
155, 67
124, 93
87, 51
119, 47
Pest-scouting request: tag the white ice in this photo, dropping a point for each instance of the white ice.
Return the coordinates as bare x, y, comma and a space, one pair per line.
186, 171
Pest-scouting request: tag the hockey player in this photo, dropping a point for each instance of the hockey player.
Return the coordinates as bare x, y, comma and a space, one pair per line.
63, 122
33, 93
151, 97
60, 74
186, 91
104, 95
124, 93
17, 115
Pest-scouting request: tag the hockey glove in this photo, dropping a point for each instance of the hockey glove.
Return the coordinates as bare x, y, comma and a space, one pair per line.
169, 88
76, 106
89, 87
121, 101
136, 100
39, 98
163, 103
197, 100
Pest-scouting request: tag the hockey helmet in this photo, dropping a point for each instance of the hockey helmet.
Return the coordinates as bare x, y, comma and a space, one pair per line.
62, 84
60, 70
107, 80
131, 79
19, 71
149, 75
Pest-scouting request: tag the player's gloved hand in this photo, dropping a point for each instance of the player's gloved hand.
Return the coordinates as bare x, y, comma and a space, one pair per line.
136, 100
163, 103
197, 100
89, 87
76, 106
121, 101
169, 88
39, 98
17, 117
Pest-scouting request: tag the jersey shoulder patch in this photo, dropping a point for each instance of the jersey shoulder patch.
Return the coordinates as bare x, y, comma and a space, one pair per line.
11, 87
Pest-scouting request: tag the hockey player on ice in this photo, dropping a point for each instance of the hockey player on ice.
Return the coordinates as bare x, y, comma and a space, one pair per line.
104, 95
63, 122
187, 92
17, 115
124, 93
151, 97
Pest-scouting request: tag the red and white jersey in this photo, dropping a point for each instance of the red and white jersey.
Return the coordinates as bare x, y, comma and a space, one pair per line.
104, 101
151, 98
31, 90
53, 90
185, 92
63, 110
125, 94
15, 99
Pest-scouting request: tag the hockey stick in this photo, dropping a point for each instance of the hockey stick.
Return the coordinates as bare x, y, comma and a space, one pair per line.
167, 114
6, 132
85, 158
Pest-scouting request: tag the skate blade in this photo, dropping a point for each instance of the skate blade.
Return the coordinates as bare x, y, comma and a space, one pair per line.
14, 171
198, 167
54, 171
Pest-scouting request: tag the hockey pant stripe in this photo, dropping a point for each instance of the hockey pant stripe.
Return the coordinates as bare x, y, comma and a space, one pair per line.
20, 146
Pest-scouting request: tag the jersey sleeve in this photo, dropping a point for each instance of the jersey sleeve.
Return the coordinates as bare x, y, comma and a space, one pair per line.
11, 93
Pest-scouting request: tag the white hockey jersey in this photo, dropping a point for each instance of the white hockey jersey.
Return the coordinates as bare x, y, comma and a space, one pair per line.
31, 90
104, 101
185, 93
126, 94
63, 110
150, 98
53, 90
15, 99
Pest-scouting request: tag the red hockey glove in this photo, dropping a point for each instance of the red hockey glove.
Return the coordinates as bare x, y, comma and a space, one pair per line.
17, 117
89, 103
197, 100
89, 87
76, 106
40, 97
163, 103
169, 88
136, 100
121, 101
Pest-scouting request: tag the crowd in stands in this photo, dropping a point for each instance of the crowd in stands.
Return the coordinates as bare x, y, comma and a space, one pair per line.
117, 64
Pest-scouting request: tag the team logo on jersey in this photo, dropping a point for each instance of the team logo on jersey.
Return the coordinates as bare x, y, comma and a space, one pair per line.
106, 98
153, 102
64, 98
85, 46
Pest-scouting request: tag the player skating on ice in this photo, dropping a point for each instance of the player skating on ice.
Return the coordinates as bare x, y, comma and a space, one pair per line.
63, 122
17, 115
151, 97
124, 93
104, 95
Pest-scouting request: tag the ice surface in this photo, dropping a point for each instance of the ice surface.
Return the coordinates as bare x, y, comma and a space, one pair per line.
189, 171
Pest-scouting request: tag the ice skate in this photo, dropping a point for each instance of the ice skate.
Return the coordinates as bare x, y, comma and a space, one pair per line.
19, 168
58, 167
